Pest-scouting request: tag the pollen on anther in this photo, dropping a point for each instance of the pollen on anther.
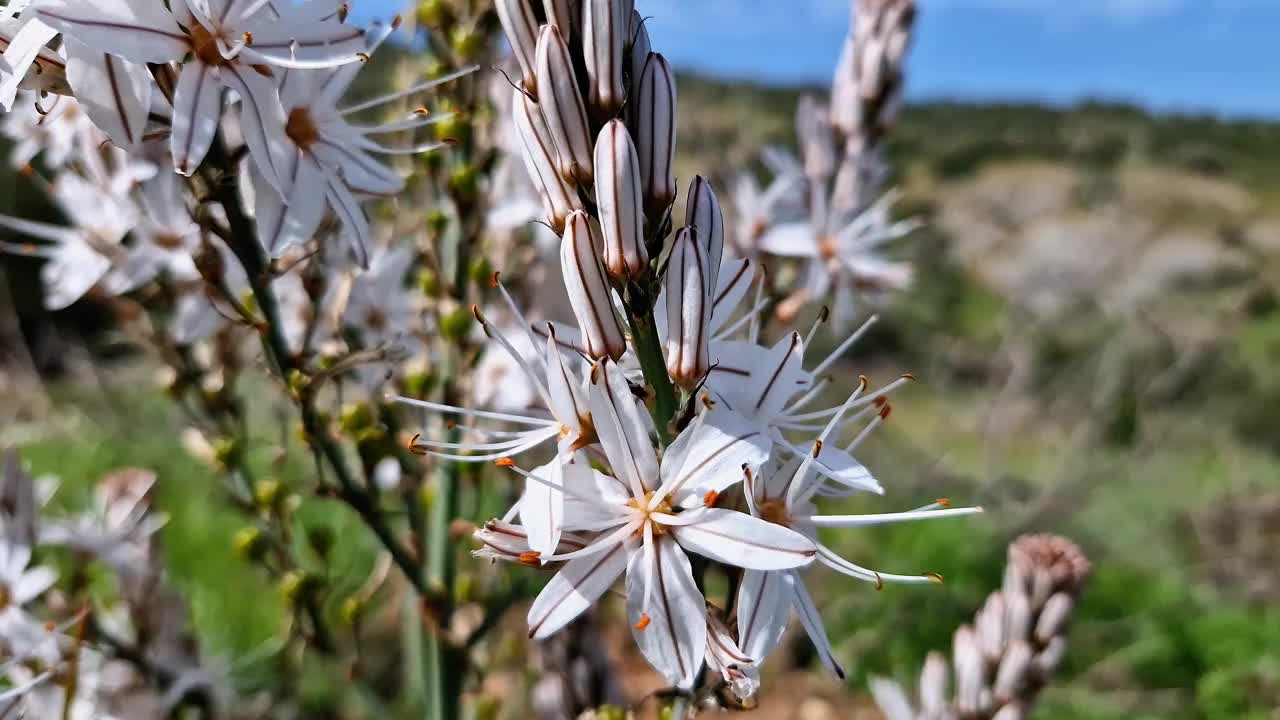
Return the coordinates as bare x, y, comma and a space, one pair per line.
710, 498
908, 376
934, 577
944, 502
643, 622
817, 447
880, 401
248, 38
863, 382
493, 280
530, 557
395, 22
421, 111
475, 310
884, 411
504, 462
364, 56
879, 582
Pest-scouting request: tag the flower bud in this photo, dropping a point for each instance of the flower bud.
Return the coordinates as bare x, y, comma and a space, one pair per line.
702, 211
558, 197
588, 289
844, 91
618, 199
655, 123
521, 27
817, 141
562, 107
638, 49
560, 13
1011, 676
605, 24
689, 297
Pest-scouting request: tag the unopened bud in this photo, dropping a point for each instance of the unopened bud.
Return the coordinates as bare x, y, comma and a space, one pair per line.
933, 685
605, 24
655, 123
1011, 677
562, 107
559, 198
250, 543
588, 289
1054, 616
618, 198
638, 49
702, 211
560, 13
521, 27
688, 310
817, 142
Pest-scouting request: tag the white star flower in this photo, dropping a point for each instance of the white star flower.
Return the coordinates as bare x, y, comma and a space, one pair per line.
647, 515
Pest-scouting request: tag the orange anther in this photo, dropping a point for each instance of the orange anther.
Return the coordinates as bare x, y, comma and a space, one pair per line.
944, 502
504, 462
644, 621
884, 411
530, 557
710, 498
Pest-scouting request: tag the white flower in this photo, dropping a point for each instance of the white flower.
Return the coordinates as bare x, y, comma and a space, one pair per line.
738, 670
77, 257
559, 384
52, 128
647, 514
783, 494
20, 584
326, 161
771, 388
224, 40
27, 64
378, 306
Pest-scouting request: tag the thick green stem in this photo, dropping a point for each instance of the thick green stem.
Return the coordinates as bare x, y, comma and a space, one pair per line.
644, 338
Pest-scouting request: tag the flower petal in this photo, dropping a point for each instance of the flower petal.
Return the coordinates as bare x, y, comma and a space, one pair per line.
197, 107
115, 93
812, 622
578, 584
623, 434
674, 637
542, 506
764, 607
709, 455
738, 539
142, 32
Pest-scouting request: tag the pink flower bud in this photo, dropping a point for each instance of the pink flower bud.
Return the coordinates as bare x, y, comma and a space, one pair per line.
562, 107
588, 289
618, 198
655, 123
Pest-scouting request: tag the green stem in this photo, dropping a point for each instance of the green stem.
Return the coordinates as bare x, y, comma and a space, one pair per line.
644, 337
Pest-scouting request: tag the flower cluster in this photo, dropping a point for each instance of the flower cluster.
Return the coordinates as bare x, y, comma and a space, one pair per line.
680, 441
829, 208
55, 653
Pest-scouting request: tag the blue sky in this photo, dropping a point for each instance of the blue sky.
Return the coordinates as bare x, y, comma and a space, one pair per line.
1220, 56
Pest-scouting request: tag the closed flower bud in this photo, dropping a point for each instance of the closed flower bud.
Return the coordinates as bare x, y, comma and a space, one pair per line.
618, 198
559, 198
933, 684
1054, 616
689, 297
1011, 677
588, 289
560, 13
521, 28
1048, 659
702, 211
817, 142
605, 24
562, 107
655, 123
844, 91
638, 49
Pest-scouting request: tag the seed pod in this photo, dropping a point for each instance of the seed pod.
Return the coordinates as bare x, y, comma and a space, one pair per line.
588, 289
558, 197
618, 199
689, 296
521, 28
702, 211
655, 123
562, 107
605, 24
